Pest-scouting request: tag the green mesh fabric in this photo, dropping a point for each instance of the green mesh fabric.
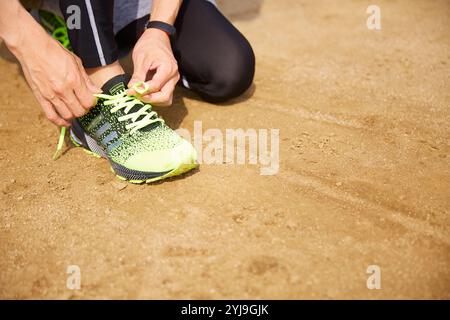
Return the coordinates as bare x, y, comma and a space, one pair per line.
159, 138
152, 138
56, 26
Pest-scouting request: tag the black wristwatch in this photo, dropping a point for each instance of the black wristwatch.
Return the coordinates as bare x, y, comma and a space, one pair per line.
167, 28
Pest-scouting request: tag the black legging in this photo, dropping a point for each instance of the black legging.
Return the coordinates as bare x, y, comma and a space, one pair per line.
213, 56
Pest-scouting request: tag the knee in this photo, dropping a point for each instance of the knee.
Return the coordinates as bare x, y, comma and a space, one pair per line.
233, 75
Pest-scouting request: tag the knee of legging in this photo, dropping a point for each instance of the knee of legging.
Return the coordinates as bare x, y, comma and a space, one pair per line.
232, 76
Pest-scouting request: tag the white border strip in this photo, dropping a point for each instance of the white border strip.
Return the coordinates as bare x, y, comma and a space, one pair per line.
95, 31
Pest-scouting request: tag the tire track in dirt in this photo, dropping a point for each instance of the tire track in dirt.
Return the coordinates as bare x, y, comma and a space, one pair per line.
369, 122
412, 224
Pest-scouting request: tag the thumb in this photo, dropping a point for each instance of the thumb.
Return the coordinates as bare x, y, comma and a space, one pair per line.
89, 84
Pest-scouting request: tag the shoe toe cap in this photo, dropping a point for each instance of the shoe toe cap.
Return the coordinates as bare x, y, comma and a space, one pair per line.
163, 160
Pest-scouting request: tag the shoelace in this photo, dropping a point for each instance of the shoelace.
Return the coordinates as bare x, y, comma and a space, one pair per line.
140, 118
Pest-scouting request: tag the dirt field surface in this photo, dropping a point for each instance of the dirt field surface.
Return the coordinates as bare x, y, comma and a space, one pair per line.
364, 174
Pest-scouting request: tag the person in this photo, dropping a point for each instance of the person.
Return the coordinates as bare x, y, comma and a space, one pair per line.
185, 42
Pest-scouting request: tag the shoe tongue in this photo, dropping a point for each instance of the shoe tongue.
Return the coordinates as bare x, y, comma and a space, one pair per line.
117, 84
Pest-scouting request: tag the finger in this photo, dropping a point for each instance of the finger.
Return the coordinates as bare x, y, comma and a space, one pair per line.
46, 106
139, 88
160, 78
72, 102
49, 111
163, 97
86, 89
139, 75
85, 95
51, 115
62, 109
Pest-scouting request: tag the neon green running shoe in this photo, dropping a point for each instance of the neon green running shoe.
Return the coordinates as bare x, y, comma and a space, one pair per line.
55, 26
138, 144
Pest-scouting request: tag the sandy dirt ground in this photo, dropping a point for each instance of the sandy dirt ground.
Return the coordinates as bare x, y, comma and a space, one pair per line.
364, 174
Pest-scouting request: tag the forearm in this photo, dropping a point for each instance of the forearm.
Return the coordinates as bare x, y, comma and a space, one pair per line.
17, 25
165, 10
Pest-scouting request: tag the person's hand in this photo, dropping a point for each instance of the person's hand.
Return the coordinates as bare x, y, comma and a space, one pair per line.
153, 54
56, 77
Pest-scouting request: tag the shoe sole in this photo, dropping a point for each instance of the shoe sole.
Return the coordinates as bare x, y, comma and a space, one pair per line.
126, 174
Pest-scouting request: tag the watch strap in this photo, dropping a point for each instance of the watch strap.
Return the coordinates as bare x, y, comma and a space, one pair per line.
167, 28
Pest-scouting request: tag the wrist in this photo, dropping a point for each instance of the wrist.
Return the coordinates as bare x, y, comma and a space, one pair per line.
10, 30
165, 10
168, 17
159, 34
17, 34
